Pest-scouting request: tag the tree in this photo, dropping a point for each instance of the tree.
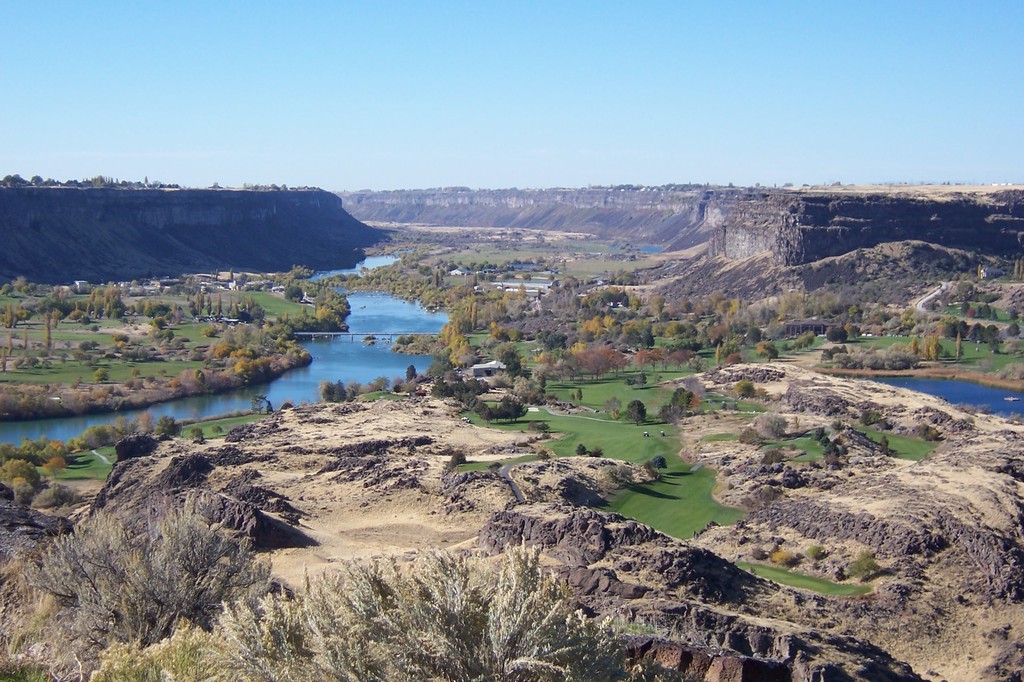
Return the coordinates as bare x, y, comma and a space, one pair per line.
837, 334
100, 375
767, 349
55, 465
410, 372
166, 426
636, 412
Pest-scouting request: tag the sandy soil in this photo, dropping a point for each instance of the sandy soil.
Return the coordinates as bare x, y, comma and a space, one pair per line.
398, 504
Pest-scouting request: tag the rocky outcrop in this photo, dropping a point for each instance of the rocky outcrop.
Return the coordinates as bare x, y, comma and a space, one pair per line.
137, 490
55, 235
628, 572
801, 227
23, 529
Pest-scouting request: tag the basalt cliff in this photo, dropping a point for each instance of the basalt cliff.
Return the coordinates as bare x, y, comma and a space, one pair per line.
59, 234
792, 226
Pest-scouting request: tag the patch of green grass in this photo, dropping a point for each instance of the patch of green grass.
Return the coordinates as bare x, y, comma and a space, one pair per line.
597, 392
678, 504
218, 428
720, 437
805, 582
903, 447
811, 448
86, 465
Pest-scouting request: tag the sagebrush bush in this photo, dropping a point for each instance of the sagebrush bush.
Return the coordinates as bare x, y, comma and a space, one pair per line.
55, 495
770, 426
782, 557
122, 586
446, 618
864, 566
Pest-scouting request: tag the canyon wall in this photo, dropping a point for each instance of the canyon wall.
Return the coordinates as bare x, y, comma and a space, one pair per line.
794, 225
673, 217
60, 234
800, 227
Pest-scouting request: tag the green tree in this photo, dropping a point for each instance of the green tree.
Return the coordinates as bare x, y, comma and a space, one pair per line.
636, 411
100, 375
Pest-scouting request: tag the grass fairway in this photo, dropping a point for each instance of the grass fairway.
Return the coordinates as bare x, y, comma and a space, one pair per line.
805, 582
678, 504
904, 447
218, 428
87, 465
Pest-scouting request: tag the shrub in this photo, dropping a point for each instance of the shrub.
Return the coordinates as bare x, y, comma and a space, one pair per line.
452, 618
773, 456
121, 586
457, 459
864, 566
782, 557
770, 426
55, 496
750, 437
581, 449
597, 452
758, 554
928, 432
815, 552
744, 388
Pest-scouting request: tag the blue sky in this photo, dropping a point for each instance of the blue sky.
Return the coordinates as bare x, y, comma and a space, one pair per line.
389, 95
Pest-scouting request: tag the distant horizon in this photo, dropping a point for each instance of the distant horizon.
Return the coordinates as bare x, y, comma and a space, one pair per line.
158, 183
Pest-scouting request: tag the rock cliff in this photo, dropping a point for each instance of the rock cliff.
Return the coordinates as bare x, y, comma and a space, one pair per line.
801, 227
675, 216
55, 235
793, 226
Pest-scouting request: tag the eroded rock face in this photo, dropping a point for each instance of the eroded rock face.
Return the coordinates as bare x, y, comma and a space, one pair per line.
135, 445
139, 489
24, 529
802, 227
628, 572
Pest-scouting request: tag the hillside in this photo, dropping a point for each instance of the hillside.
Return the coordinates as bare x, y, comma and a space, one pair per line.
59, 234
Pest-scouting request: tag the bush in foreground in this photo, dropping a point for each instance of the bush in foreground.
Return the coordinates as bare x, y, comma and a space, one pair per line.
120, 586
448, 618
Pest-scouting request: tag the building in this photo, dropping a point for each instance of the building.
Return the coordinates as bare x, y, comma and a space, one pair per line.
487, 369
798, 327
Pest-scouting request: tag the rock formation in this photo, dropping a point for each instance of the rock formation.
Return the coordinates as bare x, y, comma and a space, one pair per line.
58, 234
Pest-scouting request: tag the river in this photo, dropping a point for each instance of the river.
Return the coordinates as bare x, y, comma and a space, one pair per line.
333, 359
963, 393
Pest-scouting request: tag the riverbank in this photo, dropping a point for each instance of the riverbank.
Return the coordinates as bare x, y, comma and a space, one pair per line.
948, 374
19, 402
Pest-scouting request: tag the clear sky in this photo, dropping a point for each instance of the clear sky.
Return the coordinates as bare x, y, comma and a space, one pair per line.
388, 95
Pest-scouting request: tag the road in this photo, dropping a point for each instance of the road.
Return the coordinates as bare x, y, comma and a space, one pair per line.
503, 472
923, 302
105, 460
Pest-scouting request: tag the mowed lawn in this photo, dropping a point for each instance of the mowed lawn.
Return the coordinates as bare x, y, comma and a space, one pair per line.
806, 582
679, 504
87, 465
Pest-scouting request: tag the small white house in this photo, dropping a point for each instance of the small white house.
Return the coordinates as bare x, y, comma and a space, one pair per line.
487, 369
